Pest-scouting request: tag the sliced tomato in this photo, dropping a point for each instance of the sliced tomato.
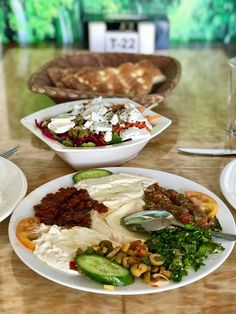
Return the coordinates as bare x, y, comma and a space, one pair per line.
26, 231
203, 201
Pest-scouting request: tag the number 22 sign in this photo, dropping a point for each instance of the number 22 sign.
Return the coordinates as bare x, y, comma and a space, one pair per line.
121, 41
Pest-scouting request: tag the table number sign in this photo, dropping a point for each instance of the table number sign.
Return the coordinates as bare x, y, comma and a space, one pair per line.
121, 41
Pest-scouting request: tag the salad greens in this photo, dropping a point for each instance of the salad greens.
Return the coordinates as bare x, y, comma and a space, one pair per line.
182, 249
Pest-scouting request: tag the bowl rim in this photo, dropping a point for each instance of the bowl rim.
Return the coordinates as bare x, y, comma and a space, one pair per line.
29, 122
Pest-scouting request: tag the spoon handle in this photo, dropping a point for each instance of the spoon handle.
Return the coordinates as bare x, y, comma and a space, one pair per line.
227, 236
177, 223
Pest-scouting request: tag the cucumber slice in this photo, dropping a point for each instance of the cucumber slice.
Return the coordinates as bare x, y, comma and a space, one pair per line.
103, 270
90, 173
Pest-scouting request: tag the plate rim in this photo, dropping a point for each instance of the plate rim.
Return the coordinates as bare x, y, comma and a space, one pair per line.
23, 190
128, 289
223, 176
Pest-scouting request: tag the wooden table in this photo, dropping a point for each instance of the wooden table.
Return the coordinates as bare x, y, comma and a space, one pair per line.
198, 110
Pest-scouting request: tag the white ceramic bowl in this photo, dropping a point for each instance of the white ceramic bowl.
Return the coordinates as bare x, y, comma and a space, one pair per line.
85, 157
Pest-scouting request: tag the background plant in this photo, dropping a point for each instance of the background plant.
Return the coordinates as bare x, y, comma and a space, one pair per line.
61, 20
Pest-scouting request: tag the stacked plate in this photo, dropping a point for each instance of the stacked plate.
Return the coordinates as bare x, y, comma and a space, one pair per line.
228, 183
13, 187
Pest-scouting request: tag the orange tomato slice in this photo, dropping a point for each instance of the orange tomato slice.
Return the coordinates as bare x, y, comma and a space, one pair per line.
205, 202
26, 231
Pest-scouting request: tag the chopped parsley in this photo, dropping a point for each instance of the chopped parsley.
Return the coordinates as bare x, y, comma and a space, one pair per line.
183, 249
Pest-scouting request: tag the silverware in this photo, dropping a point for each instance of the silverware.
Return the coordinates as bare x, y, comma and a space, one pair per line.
154, 220
222, 235
9, 152
208, 151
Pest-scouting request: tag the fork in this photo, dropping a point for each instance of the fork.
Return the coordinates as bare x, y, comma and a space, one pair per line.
9, 152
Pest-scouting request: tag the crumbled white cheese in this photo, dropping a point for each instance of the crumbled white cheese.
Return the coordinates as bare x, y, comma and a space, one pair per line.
136, 115
108, 136
77, 108
61, 124
134, 132
114, 119
88, 124
101, 127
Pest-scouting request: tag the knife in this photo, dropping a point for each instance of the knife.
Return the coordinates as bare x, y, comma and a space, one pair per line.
208, 151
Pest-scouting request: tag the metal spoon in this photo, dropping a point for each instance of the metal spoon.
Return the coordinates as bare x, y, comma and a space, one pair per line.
154, 220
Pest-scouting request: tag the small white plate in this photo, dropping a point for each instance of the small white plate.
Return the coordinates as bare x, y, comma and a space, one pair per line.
228, 182
25, 209
13, 187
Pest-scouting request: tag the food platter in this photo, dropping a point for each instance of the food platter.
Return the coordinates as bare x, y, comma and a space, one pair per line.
73, 280
13, 187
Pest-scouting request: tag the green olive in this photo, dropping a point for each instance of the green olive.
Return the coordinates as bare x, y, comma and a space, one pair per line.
138, 269
119, 257
156, 259
82, 133
73, 132
67, 142
147, 277
113, 252
106, 244
133, 260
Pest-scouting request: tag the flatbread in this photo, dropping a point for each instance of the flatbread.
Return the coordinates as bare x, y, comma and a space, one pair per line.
126, 79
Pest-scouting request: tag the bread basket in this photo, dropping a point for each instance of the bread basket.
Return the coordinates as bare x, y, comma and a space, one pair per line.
39, 82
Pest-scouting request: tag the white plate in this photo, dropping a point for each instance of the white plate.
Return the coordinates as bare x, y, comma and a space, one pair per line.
13, 187
25, 208
228, 182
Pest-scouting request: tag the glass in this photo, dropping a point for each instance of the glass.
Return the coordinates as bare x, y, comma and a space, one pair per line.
232, 98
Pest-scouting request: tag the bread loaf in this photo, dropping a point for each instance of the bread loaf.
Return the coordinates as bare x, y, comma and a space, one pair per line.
126, 79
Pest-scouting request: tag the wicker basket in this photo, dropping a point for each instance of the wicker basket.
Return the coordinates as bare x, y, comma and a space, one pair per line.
40, 82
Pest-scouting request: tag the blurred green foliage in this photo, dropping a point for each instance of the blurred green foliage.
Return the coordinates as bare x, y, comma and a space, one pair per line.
44, 20
203, 20
61, 20
1, 25
127, 6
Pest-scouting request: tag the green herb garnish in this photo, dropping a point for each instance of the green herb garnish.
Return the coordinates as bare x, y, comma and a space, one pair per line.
182, 249
116, 139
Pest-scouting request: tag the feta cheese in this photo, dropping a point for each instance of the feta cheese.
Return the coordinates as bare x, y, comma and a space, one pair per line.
57, 246
96, 100
61, 124
96, 117
135, 115
124, 116
77, 108
134, 132
108, 136
88, 124
102, 127
102, 110
114, 120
